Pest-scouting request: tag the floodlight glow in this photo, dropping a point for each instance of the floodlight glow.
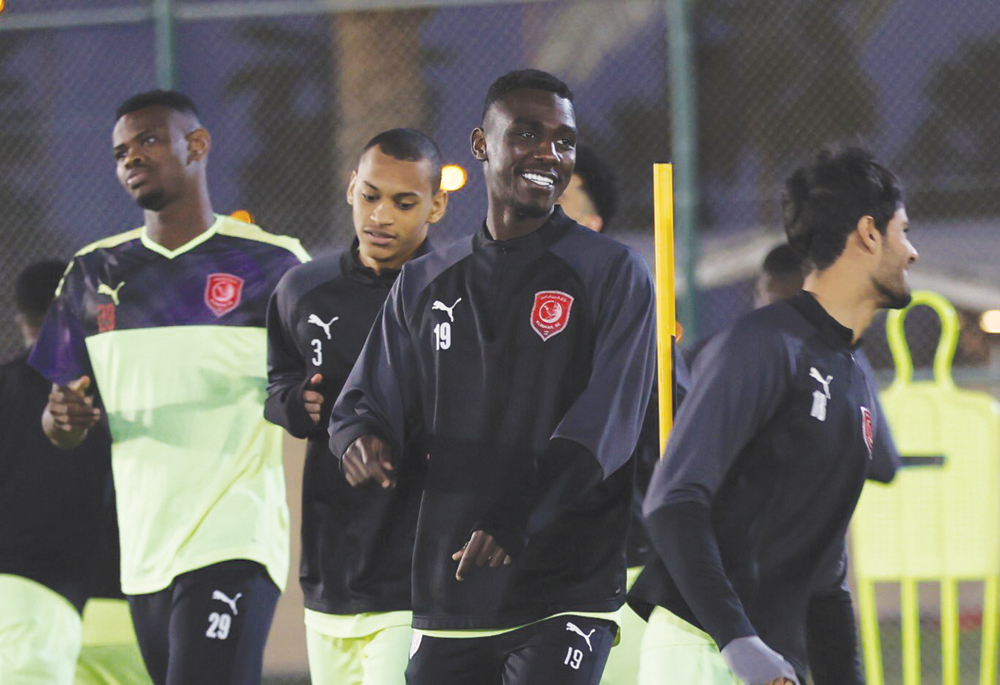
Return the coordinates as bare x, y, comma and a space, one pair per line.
453, 177
990, 321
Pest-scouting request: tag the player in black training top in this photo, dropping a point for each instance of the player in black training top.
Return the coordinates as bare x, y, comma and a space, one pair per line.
356, 544
519, 362
55, 511
831, 632
749, 507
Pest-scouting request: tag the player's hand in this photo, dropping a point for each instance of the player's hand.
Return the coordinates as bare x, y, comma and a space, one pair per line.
754, 663
369, 459
312, 399
71, 409
480, 549
69, 414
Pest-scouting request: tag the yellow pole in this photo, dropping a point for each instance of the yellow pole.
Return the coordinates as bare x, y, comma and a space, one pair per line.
666, 307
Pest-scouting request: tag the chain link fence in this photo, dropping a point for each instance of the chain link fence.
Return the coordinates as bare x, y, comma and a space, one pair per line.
291, 90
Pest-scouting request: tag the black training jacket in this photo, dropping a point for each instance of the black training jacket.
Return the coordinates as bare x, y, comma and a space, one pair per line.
356, 544
521, 369
749, 507
57, 522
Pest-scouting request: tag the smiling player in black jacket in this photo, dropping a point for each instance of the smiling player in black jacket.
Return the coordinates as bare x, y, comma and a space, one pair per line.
356, 546
749, 507
520, 360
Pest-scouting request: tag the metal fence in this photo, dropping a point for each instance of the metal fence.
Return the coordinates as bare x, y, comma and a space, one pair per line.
291, 89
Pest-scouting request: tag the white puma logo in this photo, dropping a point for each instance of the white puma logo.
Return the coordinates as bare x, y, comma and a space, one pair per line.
219, 595
442, 307
573, 628
818, 410
325, 326
824, 381
103, 289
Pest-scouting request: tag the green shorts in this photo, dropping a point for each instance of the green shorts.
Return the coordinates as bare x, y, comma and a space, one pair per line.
379, 658
39, 634
674, 652
110, 654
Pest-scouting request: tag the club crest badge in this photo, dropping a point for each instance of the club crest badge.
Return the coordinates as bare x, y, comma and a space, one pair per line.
550, 315
223, 293
868, 430
105, 317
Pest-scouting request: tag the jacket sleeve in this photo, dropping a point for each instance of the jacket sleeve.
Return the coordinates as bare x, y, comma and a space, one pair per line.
831, 632
286, 369
380, 396
60, 353
599, 432
739, 382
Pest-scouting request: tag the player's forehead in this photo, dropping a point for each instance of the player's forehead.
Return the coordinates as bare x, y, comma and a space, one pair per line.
532, 105
155, 118
394, 176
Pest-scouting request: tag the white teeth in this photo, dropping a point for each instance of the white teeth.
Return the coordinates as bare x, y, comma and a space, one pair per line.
538, 179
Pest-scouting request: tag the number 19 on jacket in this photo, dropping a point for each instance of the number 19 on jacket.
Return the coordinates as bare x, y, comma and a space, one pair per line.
442, 336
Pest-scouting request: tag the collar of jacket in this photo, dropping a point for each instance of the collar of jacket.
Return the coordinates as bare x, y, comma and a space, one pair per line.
549, 232
806, 304
350, 264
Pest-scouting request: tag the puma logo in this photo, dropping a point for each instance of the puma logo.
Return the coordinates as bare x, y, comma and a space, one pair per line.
313, 319
818, 410
219, 595
103, 289
825, 382
573, 628
442, 307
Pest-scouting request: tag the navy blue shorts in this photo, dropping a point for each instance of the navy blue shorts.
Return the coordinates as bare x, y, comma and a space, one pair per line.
209, 626
566, 650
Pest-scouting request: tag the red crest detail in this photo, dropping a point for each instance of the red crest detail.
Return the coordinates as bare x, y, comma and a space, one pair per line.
868, 430
105, 318
223, 293
550, 314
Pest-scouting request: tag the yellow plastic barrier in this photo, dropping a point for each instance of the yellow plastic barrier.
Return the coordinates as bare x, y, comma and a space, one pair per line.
938, 522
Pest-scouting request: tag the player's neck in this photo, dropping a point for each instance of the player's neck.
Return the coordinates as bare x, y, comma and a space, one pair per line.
845, 295
180, 222
505, 222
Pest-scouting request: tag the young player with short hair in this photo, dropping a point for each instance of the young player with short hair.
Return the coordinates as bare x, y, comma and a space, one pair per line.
357, 545
517, 363
749, 507
165, 325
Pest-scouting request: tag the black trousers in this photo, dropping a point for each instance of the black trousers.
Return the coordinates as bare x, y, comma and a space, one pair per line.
210, 626
566, 650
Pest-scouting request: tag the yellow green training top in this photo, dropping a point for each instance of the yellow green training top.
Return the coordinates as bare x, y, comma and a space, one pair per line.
176, 343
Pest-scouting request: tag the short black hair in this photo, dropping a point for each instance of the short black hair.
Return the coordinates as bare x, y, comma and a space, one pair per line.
533, 79
171, 99
784, 262
599, 183
824, 201
35, 288
410, 145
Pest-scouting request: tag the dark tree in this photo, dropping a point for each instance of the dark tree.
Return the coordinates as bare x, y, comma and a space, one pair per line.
289, 184
952, 161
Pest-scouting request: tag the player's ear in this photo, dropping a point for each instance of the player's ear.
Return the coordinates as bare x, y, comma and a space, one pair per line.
350, 187
868, 235
199, 143
478, 140
439, 205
